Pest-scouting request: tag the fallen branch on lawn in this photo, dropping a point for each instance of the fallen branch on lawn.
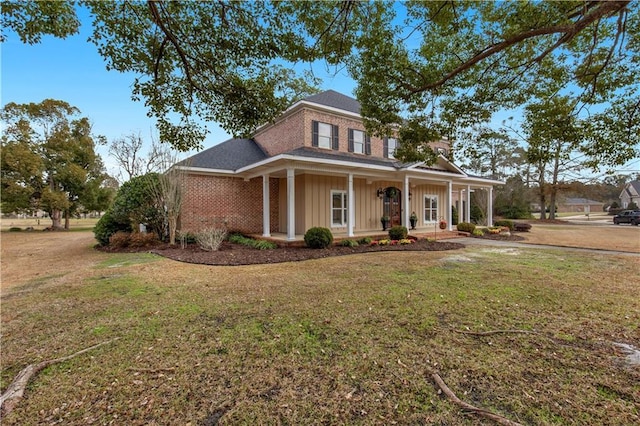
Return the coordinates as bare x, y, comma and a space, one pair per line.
491, 332
479, 411
15, 391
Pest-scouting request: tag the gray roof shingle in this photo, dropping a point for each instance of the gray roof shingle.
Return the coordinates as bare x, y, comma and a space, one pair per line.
232, 154
334, 99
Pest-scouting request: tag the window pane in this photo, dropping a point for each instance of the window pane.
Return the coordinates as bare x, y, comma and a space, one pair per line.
324, 135
337, 201
337, 216
358, 141
392, 144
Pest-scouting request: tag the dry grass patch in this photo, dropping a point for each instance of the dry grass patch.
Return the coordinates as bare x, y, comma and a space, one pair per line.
346, 340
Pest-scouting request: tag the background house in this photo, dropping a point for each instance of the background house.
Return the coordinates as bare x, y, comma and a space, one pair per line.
580, 205
315, 165
630, 194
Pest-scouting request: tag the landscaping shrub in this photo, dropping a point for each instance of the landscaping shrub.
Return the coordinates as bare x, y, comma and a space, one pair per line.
477, 215
508, 223
143, 239
521, 227
454, 215
398, 232
364, 241
210, 239
477, 232
120, 239
349, 243
15, 229
108, 225
466, 227
318, 237
250, 242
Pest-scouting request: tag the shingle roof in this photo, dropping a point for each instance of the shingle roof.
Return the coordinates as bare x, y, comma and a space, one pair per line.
232, 154
342, 156
334, 99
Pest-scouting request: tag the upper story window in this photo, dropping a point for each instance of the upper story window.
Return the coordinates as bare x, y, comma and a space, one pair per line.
325, 135
442, 151
390, 146
359, 142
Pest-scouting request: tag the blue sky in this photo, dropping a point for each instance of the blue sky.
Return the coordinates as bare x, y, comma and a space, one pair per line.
71, 70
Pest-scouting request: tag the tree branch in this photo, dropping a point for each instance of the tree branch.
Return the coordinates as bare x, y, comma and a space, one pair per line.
15, 391
605, 8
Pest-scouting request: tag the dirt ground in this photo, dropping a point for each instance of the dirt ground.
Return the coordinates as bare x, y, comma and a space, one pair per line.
28, 256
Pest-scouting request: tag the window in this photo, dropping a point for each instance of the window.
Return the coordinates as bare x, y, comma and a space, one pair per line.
390, 146
359, 142
442, 151
324, 135
338, 208
430, 208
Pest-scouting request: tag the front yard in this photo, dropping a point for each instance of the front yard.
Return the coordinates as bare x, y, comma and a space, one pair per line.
342, 340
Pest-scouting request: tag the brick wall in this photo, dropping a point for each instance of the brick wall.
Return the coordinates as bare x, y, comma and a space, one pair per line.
294, 131
215, 201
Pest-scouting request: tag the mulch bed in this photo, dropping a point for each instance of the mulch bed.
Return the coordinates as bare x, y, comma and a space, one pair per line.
237, 254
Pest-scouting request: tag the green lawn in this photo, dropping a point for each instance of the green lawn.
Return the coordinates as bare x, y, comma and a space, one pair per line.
347, 340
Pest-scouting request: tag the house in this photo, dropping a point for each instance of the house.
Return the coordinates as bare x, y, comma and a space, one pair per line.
630, 194
580, 205
315, 165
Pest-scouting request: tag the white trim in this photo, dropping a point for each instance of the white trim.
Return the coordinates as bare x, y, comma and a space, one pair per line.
266, 210
291, 204
424, 208
344, 200
447, 213
350, 206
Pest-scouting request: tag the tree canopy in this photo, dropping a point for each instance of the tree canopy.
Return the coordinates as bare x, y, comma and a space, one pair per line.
436, 68
49, 160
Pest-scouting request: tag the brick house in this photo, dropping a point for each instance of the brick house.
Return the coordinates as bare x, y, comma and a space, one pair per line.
316, 166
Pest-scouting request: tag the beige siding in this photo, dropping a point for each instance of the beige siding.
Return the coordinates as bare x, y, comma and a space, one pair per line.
417, 201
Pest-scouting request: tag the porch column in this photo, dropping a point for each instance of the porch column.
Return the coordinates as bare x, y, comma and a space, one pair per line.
350, 206
460, 210
448, 206
490, 206
405, 202
467, 208
266, 210
291, 204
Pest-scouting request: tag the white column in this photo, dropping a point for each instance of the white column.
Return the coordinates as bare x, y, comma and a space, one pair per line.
490, 206
460, 210
448, 205
405, 203
291, 204
266, 210
467, 208
350, 206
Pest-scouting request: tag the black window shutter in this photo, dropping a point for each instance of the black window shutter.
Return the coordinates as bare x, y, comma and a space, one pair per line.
367, 145
385, 147
334, 134
314, 133
350, 140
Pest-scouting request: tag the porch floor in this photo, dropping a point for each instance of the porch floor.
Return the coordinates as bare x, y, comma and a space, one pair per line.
281, 238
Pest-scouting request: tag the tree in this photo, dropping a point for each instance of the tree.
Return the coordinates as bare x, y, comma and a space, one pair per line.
491, 153
129, 153
50, 158
436, 67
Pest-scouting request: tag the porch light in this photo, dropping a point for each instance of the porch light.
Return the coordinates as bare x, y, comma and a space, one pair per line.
380, 193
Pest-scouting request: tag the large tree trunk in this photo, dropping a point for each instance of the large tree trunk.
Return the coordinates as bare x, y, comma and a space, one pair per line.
66, 220
56, 219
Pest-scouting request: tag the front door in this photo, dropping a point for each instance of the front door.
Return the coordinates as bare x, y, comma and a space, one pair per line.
392, 206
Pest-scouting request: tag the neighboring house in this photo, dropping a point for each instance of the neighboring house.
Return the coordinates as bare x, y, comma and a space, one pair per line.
315, 165
580, 205
630, 194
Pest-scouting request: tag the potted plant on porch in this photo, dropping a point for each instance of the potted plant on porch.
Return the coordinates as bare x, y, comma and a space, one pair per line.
413, 219
385, 222
442, 224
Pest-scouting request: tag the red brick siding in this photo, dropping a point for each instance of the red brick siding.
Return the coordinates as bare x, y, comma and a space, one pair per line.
215, 201
285, 135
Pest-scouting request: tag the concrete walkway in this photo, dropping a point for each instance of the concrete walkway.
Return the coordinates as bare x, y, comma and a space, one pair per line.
469, 241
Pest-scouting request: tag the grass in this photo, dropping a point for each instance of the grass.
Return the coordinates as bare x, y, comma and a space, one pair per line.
282, 344
7, 223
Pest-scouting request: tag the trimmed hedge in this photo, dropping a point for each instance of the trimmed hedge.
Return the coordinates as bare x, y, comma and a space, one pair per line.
522, 227
318, 237
508, 223
398, 232
466, 227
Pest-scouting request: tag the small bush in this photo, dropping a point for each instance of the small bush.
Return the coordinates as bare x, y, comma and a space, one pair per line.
466, 227
477, 232
398, 232
364, 241
143, 239
120, 239
108, 225
250, 242
210, 239
15, 229
508, 223
318, 238
521, 227
349, 243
